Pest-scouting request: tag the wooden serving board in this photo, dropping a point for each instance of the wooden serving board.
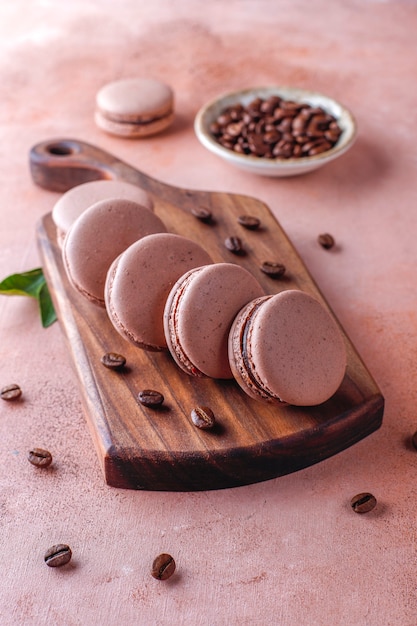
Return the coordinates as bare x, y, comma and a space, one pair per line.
143, 448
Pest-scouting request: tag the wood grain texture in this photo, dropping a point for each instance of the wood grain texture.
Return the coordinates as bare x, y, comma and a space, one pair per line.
160, 449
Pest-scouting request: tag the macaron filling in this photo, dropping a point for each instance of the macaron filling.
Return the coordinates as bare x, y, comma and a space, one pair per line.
177, 350
248, 369
137, 120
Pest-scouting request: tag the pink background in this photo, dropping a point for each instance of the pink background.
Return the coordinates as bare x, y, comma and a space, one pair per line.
288, 551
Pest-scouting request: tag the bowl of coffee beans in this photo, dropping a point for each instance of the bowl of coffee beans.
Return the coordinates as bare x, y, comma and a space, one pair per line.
275, 131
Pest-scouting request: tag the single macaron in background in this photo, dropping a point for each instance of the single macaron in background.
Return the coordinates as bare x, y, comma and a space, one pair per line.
134, 107
98, 236
79, 198
139, 281
198, 315
287, 348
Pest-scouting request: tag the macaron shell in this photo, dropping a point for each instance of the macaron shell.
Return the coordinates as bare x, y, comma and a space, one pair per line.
77, 199
139, 281
292, 350
98, 236
199, 313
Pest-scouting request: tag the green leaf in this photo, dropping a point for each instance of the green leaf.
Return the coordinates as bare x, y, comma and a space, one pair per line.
24, 284
32, 284
48, 315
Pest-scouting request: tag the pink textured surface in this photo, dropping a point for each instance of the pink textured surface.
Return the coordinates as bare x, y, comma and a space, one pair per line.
288, 551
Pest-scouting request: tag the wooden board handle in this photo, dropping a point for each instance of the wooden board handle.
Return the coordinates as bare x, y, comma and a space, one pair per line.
60, 164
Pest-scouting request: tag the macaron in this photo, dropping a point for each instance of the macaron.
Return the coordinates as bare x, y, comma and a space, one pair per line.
198, 315
287, 348
134, 107
98, 236
139, 281
77, 199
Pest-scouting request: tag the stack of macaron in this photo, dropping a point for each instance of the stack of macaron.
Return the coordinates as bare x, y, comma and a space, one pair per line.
162, 291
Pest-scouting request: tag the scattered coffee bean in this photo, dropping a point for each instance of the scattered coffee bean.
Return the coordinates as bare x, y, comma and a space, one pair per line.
363, 502
414, 440
10, 392
326, 241
249, 221
163, 567
272, 269
202, 213
234, 244
150, 398
40, 457
58, 555
203, 417
113, 361
276, 128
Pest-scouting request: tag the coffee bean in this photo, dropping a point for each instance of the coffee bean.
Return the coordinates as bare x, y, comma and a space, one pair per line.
326, 241
249, 221
363, 502
10, 392
263, 124
257, 145
283, 150
307, 146
317, 124
234, 129
113, 361
320, 147
234, 244
332, 135
241, 148
215, 128
202, 213
224, 119
40, 457
163, 567
237, 112
150, 398
268, 106
272, 269
299, 123
203, 417
58, 555
272, 136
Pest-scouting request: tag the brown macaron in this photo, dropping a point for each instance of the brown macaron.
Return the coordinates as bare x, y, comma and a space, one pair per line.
98, 236
79, 198
139, 281
134, 107
287, 348
198, 315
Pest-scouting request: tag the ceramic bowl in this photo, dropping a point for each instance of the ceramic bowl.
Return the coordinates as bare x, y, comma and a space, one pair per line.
277, 166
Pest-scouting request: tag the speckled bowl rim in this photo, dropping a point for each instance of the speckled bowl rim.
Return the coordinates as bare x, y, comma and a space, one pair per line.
209, 112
